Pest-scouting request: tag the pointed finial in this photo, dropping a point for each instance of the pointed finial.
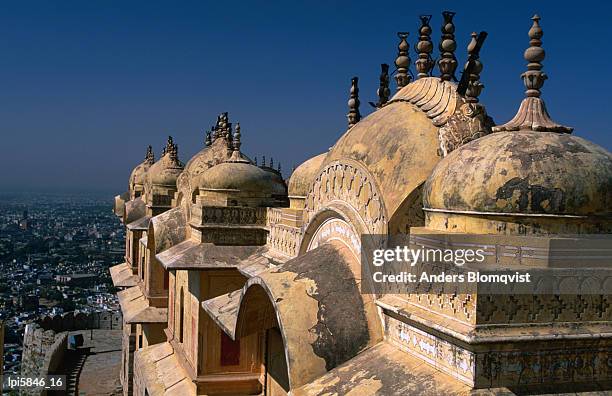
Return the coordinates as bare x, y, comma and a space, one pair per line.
271, 162
208, 140
263, 160
470, 84
424, 48
255, 161
149, 157
448, 45
353, 103
279, 167
383, 91
532, 114
402, 62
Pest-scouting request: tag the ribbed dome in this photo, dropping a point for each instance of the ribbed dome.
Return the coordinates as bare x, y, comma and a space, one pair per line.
524, 172
303, 175
242, 176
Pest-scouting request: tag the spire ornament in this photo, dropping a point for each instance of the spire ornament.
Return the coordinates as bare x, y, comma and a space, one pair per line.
353, 115
149, 157
470, 84
402, 62
448, 45
383, 90
532, 114
208, 140
424, 48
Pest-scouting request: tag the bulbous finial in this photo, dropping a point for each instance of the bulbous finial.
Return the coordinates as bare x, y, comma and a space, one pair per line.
149, 157
402, 62
473, 68
424, 48
353, 115
237, 136
532, 115
534, 78
383, 90
448, 45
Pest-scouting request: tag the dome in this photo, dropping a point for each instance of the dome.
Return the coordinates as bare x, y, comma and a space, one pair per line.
164, 172
242, 176
303, 175
137, 177
207, 157
524, 172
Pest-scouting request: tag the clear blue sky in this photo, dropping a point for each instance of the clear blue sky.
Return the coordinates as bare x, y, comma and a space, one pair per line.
86, 85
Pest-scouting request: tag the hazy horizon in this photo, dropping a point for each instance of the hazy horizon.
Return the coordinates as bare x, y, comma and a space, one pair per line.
88, 85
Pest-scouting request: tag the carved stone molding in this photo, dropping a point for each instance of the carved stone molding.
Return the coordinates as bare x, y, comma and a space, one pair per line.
350, 184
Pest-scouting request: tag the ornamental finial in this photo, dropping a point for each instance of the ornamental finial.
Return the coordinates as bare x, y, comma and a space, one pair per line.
473, 68
149, 157
402, 62
534, 77
532, 114
383, 91
448, 45
353, 103
424, 48
208, 140
237, 136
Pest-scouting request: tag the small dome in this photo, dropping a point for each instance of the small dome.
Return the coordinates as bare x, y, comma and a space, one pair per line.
524, 172
137, 177
164, 172
303, 175
242, 176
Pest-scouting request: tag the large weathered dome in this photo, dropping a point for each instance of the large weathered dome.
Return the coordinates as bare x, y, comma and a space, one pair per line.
242, 176
401, 142
524, 172
303, 175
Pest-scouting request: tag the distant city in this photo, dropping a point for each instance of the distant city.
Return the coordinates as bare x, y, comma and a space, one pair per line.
55, 251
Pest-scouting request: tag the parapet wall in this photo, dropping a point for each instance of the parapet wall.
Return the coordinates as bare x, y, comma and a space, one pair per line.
82, 321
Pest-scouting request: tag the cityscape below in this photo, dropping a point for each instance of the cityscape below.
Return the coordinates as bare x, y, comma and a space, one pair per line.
55, 251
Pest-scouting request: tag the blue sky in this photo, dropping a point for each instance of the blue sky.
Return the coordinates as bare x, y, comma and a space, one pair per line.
86, 85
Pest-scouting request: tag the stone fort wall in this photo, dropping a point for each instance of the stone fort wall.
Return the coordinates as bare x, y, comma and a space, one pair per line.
45, 342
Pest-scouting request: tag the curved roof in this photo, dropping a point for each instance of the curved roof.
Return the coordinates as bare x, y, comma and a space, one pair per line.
323, 319
134, 210
167, 229
524, 172
397, 144
242, 176
303, 175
